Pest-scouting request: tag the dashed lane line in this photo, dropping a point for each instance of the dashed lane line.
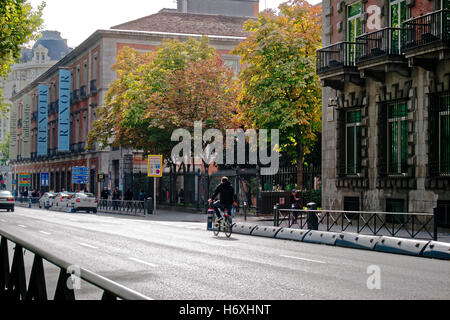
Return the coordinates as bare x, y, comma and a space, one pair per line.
46, 233
87, 245
22, 226
143, 262
304, 259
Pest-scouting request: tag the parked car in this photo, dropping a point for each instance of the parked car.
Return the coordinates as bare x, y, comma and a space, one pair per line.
46, 201
6, 200
62, 198
82, 201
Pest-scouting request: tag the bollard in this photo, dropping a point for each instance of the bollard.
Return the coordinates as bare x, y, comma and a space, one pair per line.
150, 205
312, 220
29, 202
276, 215
210, 219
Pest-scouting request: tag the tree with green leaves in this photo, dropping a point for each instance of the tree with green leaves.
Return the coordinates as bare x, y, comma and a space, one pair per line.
19, 24
4, 151
159, 92
280, 88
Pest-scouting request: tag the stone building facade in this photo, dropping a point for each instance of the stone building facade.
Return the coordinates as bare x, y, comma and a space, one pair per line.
90, 65
46, 51
385, 72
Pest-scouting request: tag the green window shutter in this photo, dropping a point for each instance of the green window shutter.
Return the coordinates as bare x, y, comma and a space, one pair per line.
397, 138
351, 150
353, 142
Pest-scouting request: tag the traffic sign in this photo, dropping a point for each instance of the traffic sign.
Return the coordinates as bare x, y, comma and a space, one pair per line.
154, 168
24, 179
45, 179
80, 175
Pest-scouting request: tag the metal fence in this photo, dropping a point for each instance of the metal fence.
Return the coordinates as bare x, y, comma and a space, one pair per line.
130, 207
13, 284
410, 225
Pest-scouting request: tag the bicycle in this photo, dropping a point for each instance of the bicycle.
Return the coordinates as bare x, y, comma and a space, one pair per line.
225, 226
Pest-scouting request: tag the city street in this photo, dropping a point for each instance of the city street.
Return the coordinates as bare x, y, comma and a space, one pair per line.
166, 258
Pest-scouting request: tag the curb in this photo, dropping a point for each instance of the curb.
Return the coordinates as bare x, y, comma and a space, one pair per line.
412, 247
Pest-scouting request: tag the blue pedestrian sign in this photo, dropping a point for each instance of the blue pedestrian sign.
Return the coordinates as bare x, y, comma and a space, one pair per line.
45, 179
80, 175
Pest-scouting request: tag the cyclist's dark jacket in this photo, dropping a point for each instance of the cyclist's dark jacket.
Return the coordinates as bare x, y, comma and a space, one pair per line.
226, 192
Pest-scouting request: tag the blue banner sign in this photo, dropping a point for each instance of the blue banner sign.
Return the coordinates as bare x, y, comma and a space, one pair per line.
80, 175
45, 179
64, 111
42, 120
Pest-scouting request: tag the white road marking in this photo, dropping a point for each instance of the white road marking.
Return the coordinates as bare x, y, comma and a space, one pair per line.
304, 259
2, 220
144, 262
22, 226
46, 233
87, 245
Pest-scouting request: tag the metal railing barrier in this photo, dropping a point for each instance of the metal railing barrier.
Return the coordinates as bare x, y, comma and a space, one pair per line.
410, 225
13, 284
123, 206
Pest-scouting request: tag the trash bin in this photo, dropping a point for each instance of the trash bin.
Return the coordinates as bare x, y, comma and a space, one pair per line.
150, 205
312, 219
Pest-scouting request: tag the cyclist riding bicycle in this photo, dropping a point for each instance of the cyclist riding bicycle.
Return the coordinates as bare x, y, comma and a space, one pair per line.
226, 192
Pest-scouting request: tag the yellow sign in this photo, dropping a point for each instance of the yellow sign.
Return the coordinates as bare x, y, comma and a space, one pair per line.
154, 168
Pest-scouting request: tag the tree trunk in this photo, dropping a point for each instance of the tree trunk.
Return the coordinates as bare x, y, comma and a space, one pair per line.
300, 167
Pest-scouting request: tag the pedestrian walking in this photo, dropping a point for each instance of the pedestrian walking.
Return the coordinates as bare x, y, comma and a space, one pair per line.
295, 204
116, 197
181, 196
104, 195
128, 197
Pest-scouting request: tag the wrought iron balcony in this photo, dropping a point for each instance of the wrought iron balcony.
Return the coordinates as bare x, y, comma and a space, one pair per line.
432, 28
93, 86
386, 42
75, 96
336, 65
336, 56
83, 92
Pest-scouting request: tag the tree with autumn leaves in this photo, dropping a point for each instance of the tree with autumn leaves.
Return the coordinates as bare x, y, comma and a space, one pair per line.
159, 92
184, 82
19, 24
279, 85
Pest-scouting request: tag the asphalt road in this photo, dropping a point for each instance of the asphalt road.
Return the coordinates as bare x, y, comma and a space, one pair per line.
182, 260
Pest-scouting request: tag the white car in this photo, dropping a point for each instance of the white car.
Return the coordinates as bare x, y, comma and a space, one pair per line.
6, 201
46, 201
83, 201
62, 199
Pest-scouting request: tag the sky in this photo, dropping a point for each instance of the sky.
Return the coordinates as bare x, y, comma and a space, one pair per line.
77, 20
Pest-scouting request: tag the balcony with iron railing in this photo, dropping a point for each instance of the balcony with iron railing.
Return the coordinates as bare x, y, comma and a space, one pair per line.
337, 63
75, 96
83, 92
381, 51
427, 36
93, 86
382, 43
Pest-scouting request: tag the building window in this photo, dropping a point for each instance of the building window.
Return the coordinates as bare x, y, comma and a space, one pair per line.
440, 135
95, 68
398, 206
397, 136
354, 25
234, 65
353, 142
398, 14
